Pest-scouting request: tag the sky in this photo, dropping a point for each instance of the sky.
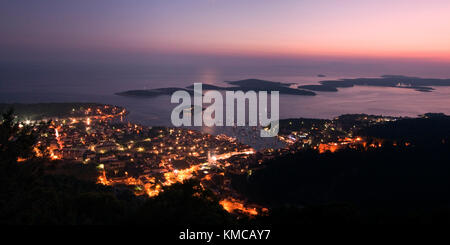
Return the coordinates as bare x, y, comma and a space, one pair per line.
278, 29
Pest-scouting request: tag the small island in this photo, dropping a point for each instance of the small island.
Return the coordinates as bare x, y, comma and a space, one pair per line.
152, 92
392, 81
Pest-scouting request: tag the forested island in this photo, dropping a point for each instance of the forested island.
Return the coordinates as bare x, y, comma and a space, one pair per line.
392, 81
242, 85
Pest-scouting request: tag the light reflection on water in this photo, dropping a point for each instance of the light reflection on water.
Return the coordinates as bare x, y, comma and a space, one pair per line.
359, 99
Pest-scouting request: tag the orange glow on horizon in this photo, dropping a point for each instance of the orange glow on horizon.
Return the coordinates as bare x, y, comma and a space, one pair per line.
318, 52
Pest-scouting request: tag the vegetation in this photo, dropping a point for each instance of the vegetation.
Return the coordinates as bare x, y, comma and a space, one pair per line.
404, 181
242, 85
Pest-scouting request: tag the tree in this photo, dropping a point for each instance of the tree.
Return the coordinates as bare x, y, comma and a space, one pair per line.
15, 140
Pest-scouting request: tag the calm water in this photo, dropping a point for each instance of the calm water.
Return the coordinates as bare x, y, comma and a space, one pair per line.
98, 84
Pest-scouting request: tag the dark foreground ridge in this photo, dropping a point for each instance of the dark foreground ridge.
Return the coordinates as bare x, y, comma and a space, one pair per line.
403, 179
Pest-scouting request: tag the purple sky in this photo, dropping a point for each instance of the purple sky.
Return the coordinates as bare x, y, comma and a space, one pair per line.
287, 29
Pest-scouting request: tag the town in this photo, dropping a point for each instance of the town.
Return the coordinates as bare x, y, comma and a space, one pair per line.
145, 159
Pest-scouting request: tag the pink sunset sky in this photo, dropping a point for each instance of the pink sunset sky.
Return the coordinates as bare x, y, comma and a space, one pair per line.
412, 29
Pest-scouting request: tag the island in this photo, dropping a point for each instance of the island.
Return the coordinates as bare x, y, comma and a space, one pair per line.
319, 88
394, 81
256, 85
153, 92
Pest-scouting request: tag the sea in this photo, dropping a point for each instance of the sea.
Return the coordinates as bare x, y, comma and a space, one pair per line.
99, 83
